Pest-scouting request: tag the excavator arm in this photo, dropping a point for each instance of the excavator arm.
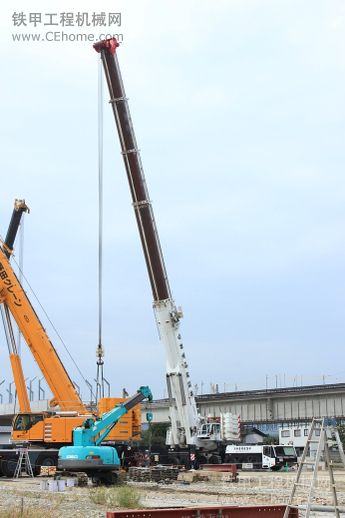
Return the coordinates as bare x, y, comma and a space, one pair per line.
94, 432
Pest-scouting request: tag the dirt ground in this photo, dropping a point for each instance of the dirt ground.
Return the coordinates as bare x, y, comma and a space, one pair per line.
253, 488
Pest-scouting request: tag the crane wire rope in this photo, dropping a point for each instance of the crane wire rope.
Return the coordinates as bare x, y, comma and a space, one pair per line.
100, 350
100, 203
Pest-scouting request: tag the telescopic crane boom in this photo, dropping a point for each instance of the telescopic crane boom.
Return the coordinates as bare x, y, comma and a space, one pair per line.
182, 405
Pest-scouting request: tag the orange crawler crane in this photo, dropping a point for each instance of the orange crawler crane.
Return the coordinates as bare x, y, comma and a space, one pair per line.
46, 432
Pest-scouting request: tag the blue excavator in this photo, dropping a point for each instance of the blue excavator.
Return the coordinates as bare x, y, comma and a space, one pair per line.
87, 453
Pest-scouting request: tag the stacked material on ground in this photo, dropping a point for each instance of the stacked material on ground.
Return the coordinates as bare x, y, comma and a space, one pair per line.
153, 474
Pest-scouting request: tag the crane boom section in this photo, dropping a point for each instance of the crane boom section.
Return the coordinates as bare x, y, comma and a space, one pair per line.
135, 173
18, 376
19, 207
13, 295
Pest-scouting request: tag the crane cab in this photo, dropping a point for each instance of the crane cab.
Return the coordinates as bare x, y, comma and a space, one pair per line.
210, 431
43, 427
28, 426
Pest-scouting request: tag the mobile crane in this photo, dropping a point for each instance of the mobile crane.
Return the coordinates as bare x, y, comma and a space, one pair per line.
188, 430
46, 432
88, 454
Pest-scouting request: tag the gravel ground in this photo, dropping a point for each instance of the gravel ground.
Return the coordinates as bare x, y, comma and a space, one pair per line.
252, 489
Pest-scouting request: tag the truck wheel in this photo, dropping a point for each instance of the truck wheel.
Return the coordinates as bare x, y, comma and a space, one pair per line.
109, 479
45, 459
96, 480
202, 459
214, 459
175, 461
106, 478
9, 466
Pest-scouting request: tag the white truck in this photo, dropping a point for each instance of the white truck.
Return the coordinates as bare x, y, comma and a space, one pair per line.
273, 456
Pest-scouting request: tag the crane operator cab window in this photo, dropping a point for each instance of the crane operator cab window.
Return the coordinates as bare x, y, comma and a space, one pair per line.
203, 430
209, 429
26, 421
215, 428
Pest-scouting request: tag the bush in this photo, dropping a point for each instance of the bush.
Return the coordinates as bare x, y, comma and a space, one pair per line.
128, 497
23, 512
122, 496
99, 496
341, 431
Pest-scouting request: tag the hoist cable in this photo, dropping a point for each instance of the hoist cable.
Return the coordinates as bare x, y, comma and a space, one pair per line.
6, 330
100, 351
100, 202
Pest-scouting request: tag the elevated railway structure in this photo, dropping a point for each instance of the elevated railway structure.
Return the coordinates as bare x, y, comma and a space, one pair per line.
268, 408
264, 408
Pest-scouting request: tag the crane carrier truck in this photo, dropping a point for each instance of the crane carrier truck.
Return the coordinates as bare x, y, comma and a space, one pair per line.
190, 435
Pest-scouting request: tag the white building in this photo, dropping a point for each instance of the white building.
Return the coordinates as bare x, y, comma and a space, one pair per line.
297, 435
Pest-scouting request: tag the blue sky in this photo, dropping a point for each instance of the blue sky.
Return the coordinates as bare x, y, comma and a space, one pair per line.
239, 112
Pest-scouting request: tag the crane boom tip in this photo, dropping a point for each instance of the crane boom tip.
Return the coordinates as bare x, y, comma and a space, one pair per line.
111, 44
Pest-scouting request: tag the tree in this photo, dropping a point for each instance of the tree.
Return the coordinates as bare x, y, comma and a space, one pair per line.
271, 439
154, 435
341, 431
